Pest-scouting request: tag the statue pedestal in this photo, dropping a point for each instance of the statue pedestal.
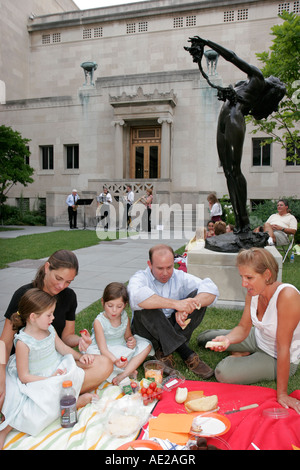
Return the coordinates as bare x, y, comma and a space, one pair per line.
221, 268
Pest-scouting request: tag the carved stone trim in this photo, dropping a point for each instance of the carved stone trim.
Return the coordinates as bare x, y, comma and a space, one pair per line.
141, 98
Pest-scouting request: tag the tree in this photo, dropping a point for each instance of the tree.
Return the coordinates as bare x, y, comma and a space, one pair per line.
282, 61
13, 167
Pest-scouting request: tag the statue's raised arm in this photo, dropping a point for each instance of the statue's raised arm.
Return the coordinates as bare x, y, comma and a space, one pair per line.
255, 95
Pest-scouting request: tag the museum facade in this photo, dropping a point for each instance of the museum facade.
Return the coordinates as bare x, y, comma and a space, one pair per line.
110, 97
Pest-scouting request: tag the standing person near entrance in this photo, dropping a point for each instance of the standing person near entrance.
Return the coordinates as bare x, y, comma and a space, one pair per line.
72, 208
129, 202
168, 305
103, 202
147, 200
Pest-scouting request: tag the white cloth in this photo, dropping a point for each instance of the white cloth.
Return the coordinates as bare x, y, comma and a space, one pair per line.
265, 330
143, 285
31, 407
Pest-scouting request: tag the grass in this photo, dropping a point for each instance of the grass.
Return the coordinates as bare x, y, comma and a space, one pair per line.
41, 246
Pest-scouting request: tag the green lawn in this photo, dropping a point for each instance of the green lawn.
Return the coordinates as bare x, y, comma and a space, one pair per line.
41, 246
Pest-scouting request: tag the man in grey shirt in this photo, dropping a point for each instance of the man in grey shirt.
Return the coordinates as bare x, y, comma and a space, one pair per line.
167, 305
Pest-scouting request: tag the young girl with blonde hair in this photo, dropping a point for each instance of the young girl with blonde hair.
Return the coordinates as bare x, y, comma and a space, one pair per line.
41, 363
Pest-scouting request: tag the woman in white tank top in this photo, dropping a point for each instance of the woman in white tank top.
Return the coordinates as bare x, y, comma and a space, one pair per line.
268, 334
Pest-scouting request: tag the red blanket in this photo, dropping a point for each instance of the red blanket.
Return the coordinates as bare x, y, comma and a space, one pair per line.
246, 426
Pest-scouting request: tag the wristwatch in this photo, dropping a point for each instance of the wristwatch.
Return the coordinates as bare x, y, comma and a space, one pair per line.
283, 229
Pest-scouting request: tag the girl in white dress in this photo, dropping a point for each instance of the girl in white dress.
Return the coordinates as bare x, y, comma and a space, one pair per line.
112, 336
34, 374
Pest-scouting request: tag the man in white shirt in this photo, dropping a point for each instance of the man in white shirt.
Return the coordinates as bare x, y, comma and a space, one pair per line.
281, 225
103, 201
167, 305
129, 201
72, 208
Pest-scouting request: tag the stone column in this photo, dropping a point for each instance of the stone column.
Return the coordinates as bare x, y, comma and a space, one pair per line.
119, 157
165, 146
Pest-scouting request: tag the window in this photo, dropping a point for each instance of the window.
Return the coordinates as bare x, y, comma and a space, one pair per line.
130, 28
46, 39
56, 37
283, 7
143, 26
191, 20
290, 156
72, 156
27, 157
87, 34
242, 14
178, 22
47, 162
228, 16
261, 153
98, 32
23, 203
296, 7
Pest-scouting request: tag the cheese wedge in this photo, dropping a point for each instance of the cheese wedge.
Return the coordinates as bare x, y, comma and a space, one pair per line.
214, 344
203, 404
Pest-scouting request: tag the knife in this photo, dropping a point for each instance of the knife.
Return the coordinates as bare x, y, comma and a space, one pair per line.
254, 405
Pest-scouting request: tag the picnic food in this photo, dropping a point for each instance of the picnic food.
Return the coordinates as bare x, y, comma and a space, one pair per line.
201, 444
181, 394
152, 392
203, 404
196, 428
84, 332
186, 323
154, 374
123, 425
213, 344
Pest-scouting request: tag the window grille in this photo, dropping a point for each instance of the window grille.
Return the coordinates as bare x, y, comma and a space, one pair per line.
178, 22
228, 16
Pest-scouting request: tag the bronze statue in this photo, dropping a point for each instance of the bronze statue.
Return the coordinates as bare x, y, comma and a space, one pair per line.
257, 96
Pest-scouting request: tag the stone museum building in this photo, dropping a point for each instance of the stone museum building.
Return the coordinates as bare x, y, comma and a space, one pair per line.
109, 97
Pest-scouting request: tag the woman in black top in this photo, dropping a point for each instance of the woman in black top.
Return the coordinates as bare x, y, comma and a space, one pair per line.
54, 277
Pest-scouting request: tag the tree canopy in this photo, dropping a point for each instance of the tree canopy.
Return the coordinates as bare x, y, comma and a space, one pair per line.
13, 166
282, 61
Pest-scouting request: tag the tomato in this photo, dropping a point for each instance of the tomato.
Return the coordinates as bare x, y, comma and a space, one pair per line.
159, 396
153, 385
149, 391
84, 332
143, 390
123, 358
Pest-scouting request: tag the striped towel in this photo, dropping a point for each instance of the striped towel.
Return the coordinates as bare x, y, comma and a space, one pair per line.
88, 434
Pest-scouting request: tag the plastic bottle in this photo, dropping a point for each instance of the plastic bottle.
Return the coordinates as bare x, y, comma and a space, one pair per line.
292, 258
68, 409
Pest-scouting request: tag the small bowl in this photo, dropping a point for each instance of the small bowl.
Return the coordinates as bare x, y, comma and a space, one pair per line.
155, 370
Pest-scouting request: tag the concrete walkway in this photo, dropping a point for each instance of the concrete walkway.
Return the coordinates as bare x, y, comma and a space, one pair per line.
98, 265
